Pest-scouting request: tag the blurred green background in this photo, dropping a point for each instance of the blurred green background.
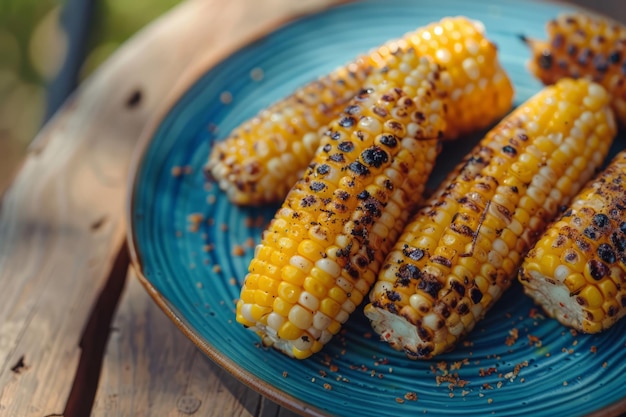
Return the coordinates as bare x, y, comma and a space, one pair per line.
48, 46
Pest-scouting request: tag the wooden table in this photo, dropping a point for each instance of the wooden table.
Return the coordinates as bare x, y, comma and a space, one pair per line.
77, 337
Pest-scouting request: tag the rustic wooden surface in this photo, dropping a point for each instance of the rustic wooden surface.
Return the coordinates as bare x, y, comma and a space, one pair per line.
63, 262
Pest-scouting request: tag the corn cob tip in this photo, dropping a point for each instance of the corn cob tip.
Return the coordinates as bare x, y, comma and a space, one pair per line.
577, 270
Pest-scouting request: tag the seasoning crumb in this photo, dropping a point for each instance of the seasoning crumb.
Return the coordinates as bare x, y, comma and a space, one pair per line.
257, 74
249, 242
217, 269
534, 341
238, 250
211, 199
410, 396
490, 400
224, 227
327, 386
199, 285
285, 374
226, 97
176, 171
564, 383
232, 281
512, 337
593, 349
605, 364
208, 248
399, 400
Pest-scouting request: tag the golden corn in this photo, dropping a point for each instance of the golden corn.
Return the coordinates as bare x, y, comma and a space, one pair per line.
462, 249
339, 220
584, 45
577, 270
264, 157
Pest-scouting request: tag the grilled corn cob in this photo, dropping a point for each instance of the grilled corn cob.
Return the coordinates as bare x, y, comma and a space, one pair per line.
264, 157
320, 254
584, 45
462, 249
577, 270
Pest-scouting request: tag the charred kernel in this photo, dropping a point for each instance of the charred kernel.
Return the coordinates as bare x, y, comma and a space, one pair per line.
358, 168
606, 253
622, 227
393, 296
615, 57
591, 232
346, 146
572, 50
414, 254
584, 56
335, 135
558, 41
430, 285
600, 63
317, 186
545, 60
327, 147
337, 157
363, 195
308, 201
347, 121
463, 309
343, 195
353, 109
441, 260
509, 150
373, 208
601, 220
389, 140
476, 295
375, 156
380, 111
323, 169
458, 287
618, 241
571, 257
515, 189
597, 269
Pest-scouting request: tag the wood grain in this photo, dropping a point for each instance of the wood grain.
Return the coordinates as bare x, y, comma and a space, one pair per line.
61, 221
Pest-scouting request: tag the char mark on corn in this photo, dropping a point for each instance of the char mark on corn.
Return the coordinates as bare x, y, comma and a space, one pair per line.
261, 159
320, 254
462, 249
577, 270
584, 45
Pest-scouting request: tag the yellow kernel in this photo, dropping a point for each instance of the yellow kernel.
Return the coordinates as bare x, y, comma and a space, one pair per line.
289, 331
300, 317
592, 296
263, 252
263, 299
279, 258
281, 306
334, 327
322, 276
247, 295
292, 275
330, 307
608, 288
301, 354
257, 312
289, 292
310, 250
337, 294
315, 287
286, 245
268, 284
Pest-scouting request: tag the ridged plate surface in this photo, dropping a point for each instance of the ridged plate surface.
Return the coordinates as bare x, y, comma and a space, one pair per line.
183, 236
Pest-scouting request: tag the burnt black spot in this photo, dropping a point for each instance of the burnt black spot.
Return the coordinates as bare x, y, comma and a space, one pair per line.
327, 147
373, 208
597, 269
380, 111
362, 261
545, 60
572, 49
523, 137
323, 169
558, 41
601, 220
441, 260
317, 186
343, 195
591, 232
585, 56
622, 227
352, 110
612, 311
393, 295
571, 257
375, 156
346, 146
134, 99
415, 254
363, 195
347, 121
308, 201
458, 287
358, 168
424, 351
515, 189
509, 150
389, 140
600, 63
606, 253
476, 295
337, 157
430, 285
618, 241
615, 57
335, 135
463, 309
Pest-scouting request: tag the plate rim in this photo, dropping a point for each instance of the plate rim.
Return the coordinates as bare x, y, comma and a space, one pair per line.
197, 69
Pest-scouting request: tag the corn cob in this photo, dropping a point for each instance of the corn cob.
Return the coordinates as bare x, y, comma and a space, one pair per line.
577, 270
319, 257
265, 156
462, 249
584, 45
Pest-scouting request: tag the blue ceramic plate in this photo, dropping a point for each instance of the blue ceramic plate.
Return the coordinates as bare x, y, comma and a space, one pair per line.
182, 235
